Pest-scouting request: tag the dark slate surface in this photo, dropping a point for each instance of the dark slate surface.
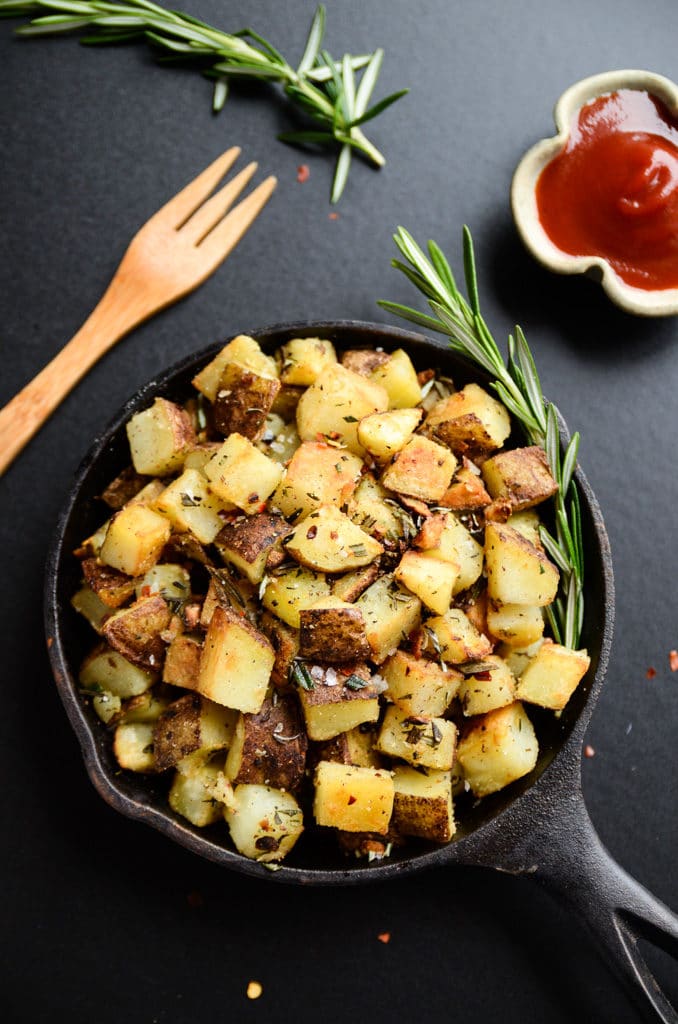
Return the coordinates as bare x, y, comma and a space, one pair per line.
103, 920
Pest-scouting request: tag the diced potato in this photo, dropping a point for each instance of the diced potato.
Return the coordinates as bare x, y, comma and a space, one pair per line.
191, 724
182, 662
498, 748
364, 360
192, 796
134, 540
242, 350
469, 422
552, 675
390, 614
399, 377
455, 639
334, 405
336, 703
110, 585
243, 401
159, 438
145, 707
236, 662
516, 624
290, 590
353, 799
332, 630
466, 492
356, 746
106, 669
91, 607
265, 823
421, 740
269, 748
123, 488
527, 523
521, 476
327, 540
431, 579
282, 446
306, 359
136, 632
351, 585
419, 686
491, 686
373, 509
199, 455
421, 469
107, 706
133, 746
444, 536
423, 803
318, 474
517, 571
518, 658
191, 507
240, 473
384, 433
168, 579
248, 541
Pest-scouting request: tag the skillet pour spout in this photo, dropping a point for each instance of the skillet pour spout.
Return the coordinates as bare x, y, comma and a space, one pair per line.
539, 826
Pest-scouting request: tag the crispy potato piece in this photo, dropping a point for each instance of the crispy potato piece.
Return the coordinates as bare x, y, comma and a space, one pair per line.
242, 350
110, 585
318, 474
91, 607
374, 510
552, 675
399, 378
384, 433
517, 571
177, 731
332, 630
515, 624
264, 823
390, 613
444, 536
326, 540
431, 579
491, 686
133, 746
418, 739
134, 540
106, 669
136, 631
352, 584
497, 749
194, 795
466, 492
291, 589
241, 474
470, 422
336, 703
455, 639
356, 746
419, 686
269, 747
364, 360
422, 469
123, 488
306, 359
159, 437
423, 803
353, 799
243, 401
520, 476
236, 662
247, 542
191, 507
333, 406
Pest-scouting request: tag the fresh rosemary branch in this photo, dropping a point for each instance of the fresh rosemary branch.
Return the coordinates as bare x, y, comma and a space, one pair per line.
516, 382
325, 90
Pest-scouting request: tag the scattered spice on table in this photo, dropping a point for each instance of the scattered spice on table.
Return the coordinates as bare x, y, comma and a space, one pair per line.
334, 216
589, 751
303, 173
673, 660
254, 990
651, 673
384, 937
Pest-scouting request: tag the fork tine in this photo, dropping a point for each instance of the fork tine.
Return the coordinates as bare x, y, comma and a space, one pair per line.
228, 232
210, 213
182, 205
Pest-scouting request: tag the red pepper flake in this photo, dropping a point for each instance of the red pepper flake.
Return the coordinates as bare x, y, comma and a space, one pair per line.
651, 673
673, 661
351, 800
146, 590
254, 989
303, 173
333, 216
195, 899
384, 937
589, 751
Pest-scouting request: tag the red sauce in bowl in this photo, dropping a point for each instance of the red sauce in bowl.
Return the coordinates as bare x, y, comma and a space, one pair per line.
613, 190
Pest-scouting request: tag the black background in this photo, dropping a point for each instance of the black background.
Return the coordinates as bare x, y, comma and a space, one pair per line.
102, 919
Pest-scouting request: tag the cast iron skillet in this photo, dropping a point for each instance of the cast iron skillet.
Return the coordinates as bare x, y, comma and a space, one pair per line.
539, 826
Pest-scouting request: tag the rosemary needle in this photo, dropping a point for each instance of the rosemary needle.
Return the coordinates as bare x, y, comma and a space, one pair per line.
324, 90
517, 384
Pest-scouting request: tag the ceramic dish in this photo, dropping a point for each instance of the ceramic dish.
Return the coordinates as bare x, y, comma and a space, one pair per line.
655, 302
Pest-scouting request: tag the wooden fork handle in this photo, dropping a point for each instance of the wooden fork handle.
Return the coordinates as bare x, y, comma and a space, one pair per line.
115, 315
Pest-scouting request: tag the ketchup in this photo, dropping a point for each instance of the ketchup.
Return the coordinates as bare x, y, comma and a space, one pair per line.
613, 190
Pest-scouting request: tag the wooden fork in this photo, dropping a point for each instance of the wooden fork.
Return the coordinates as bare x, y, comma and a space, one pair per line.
173, 253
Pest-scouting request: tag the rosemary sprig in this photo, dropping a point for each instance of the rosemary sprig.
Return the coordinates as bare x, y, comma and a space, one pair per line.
516, 382
322, 88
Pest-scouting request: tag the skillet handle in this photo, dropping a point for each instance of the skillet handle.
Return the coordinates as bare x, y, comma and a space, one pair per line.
615, 908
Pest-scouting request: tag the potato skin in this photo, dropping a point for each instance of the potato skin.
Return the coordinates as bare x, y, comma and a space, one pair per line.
333, 634
177, 731
110, 585
135, 631
269, 748
243, 401
363, 360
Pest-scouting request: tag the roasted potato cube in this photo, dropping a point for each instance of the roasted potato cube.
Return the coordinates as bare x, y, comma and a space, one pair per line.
107, 706
455, 639
421, 740
466, 492
335, 702
335, 404
332, 630
242, 350
431, 579
374, 510
419, 686
269, 747
326, 540
517, 571
159, 438
351, 585
497, 749
91, 607
518, 658
193, 795
306, 359
470, 421
527, 523
191, 507
188, 725
168, 579
520, 476
243, 401
145, 707
353, 799
399, 378
384, 433
515, 624
423, 803
422, 469
136, 632
134, 540
247, 542
364, 360
133, 746
240, 473
123, 488
492, 685
290, 590
353, 747
236, 662
110, 585
106, 669
444, 536
390, 614
265, 823
199, 455
318, 474
282, 445
285, 641
552, 675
